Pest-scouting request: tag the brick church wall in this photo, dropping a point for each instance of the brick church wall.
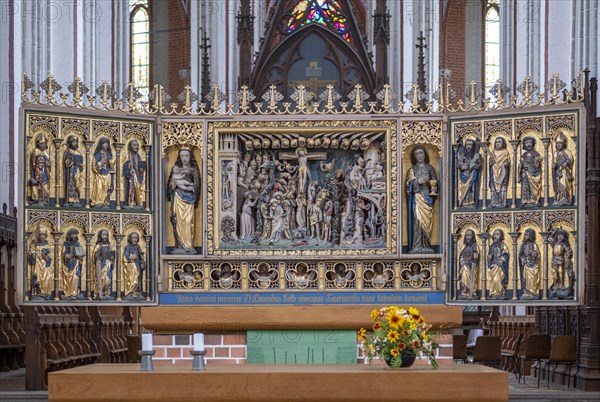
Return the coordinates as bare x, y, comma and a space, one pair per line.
179, 48
452, 42
230, 348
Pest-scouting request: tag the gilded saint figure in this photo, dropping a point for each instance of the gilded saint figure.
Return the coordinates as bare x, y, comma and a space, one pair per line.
562, 265
499, 159
133, 266
529, 265
102, 174
468, 275
469, 166
104, 261
40, 262
263, 276
530, 173
73, 256
134, 170
421, 190
74, 175
183, 189
562, 172
40, 166
497, 262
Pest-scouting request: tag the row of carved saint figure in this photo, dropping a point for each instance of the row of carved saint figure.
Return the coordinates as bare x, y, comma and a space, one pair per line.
530, 262
97, 271
529, 174
102, 182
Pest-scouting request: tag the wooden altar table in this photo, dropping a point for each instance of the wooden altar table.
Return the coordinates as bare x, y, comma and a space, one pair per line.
245, 382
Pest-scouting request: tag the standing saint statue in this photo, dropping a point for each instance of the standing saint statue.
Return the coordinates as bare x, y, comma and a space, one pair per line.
104, 261
469, 266
184, 193
421, 190
497, 262
73, 254
102, 174
134, 172
499, 173
562, 172
74, 174
529, 265
530, 173
40, 166
133, 266
39, 256
562, 265
469, 165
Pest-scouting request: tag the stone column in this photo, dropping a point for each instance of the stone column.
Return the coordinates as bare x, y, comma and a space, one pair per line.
545, 269
148, 240
88, 146
514, 144
89, 265
58, 166
546, 142
484, 238
117, 267
26, 269
456, 264
117, 176
56, 261
147, 149
455, 175
514, 236
484, 181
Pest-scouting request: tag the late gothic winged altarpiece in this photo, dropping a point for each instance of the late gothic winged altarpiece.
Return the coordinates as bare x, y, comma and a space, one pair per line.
357, 202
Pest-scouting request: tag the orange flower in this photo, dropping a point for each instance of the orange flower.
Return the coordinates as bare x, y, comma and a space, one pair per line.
402, 346
376, 326
416, 344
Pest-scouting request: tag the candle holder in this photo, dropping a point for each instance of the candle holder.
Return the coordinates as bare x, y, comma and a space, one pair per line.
147, 360
198, 361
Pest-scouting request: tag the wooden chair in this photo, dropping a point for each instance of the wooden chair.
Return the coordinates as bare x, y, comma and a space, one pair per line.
488, 351
134, 345
536, 349
472, 338
563, 351
459, 348
510, 357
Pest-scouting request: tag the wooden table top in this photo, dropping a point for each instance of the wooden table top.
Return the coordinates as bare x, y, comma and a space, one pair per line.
246, 382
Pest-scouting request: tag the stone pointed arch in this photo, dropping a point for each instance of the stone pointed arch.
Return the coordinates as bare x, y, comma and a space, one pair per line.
344, 58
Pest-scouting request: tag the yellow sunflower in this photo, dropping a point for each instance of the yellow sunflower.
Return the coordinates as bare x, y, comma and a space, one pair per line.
394, 352
392, 336
393, 319
362, 334
374, 314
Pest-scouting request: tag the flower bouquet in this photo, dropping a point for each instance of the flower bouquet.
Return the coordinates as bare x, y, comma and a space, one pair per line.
398, 334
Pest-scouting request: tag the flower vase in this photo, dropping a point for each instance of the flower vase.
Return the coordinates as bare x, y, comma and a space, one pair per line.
408, 359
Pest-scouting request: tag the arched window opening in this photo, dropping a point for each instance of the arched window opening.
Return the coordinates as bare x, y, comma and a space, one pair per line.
492, 44
140, 46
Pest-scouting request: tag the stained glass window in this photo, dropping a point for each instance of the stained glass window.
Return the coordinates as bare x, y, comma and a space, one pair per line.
492, 43
140, 45
323, 12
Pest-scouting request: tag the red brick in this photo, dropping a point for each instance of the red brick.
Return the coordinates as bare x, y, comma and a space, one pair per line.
163, 340
234, 339
173, 352
160, 352
213, 340
221, 352
238, 352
